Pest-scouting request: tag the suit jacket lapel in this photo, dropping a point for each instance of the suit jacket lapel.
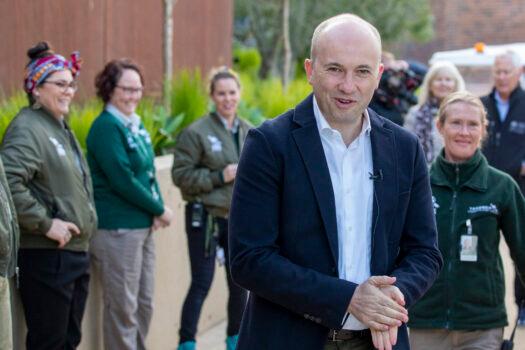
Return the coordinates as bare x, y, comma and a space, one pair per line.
310, 147
385, 186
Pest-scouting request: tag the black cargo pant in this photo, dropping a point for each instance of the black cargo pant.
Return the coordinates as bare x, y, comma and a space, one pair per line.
202, 271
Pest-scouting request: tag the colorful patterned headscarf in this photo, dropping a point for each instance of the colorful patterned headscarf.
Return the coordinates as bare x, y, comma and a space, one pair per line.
38, 70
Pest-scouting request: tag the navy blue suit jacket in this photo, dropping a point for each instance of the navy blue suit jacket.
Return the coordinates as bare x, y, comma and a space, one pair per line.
283, 231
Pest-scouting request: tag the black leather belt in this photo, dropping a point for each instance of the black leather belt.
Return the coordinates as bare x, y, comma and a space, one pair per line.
346, 334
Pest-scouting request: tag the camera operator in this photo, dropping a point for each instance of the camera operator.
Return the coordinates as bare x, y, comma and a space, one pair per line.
395, 94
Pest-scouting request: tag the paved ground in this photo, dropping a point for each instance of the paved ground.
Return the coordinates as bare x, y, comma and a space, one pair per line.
213, 339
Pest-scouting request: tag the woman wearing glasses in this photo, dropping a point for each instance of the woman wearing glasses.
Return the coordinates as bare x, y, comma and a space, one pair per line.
51, 189
129, 205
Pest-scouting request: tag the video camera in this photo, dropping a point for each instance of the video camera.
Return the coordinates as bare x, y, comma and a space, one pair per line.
396, 89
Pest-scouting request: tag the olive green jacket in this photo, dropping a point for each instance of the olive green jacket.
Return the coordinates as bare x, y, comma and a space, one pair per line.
48, 177
469, 295
9, 234
202, 151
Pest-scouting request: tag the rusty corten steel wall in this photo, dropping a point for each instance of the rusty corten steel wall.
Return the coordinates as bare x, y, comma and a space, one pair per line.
108, 29
460, 24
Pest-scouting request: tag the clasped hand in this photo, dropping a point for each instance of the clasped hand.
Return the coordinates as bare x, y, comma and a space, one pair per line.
380, 305
163, 220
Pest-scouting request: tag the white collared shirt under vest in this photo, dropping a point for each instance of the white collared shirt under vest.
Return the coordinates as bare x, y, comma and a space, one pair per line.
350, 168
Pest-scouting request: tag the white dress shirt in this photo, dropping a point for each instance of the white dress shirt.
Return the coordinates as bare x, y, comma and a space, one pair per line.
350, 168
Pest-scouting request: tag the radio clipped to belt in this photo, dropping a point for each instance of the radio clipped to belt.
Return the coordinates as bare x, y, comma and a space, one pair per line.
211, 236
211, 240
200, 218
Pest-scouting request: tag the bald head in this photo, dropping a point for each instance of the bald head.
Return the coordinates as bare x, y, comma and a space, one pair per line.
348, 23
344, 70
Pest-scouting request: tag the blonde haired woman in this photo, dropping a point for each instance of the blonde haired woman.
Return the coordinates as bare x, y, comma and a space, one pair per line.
474, 205
204, 168
442, 79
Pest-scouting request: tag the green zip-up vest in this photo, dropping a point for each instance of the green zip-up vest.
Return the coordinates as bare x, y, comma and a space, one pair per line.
469, 295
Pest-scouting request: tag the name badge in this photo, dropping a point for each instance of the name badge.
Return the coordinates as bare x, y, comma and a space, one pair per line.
216, 144
469, 245
58, 146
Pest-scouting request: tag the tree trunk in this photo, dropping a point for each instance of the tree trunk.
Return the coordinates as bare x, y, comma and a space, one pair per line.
168, 52
287, 61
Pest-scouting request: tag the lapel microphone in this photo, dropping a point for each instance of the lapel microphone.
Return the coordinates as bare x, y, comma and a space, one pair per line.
376, 175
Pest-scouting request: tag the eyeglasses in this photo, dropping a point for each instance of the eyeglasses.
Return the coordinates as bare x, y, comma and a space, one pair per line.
457, 125
131, 90
63, 85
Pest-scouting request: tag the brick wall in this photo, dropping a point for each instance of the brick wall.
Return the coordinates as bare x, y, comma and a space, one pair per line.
461, 23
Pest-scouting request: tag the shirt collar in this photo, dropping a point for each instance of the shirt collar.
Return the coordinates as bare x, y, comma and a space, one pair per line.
235, 125
132, 122
322, 124
499, 100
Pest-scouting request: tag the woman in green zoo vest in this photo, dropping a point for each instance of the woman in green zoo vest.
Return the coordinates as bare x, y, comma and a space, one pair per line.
129, 206
473, 202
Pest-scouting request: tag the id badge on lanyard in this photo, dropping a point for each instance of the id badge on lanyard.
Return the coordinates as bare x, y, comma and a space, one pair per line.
469, 245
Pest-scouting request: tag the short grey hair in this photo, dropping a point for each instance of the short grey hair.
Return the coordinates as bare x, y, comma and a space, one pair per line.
514, 57
344, 17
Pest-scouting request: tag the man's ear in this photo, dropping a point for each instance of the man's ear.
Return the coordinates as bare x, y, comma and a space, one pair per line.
308, 68
381, 69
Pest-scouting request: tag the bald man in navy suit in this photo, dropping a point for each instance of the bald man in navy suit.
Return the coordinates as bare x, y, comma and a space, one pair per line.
331, 226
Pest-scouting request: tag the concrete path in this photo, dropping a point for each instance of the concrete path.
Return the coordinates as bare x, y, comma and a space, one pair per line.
213, 338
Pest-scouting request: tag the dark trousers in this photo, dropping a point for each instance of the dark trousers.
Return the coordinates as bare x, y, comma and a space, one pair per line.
53, 289
353, 344
202, 271
519, 287
519, 290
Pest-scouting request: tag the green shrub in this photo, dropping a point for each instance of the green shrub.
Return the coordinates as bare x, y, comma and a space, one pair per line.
188, 97
251, 114
161, 126
268, 96
81, 117
298, 89
260, 99
9, 107
247, 60
248, 89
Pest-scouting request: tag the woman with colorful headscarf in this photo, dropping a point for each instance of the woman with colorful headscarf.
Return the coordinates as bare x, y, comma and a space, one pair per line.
51, 188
